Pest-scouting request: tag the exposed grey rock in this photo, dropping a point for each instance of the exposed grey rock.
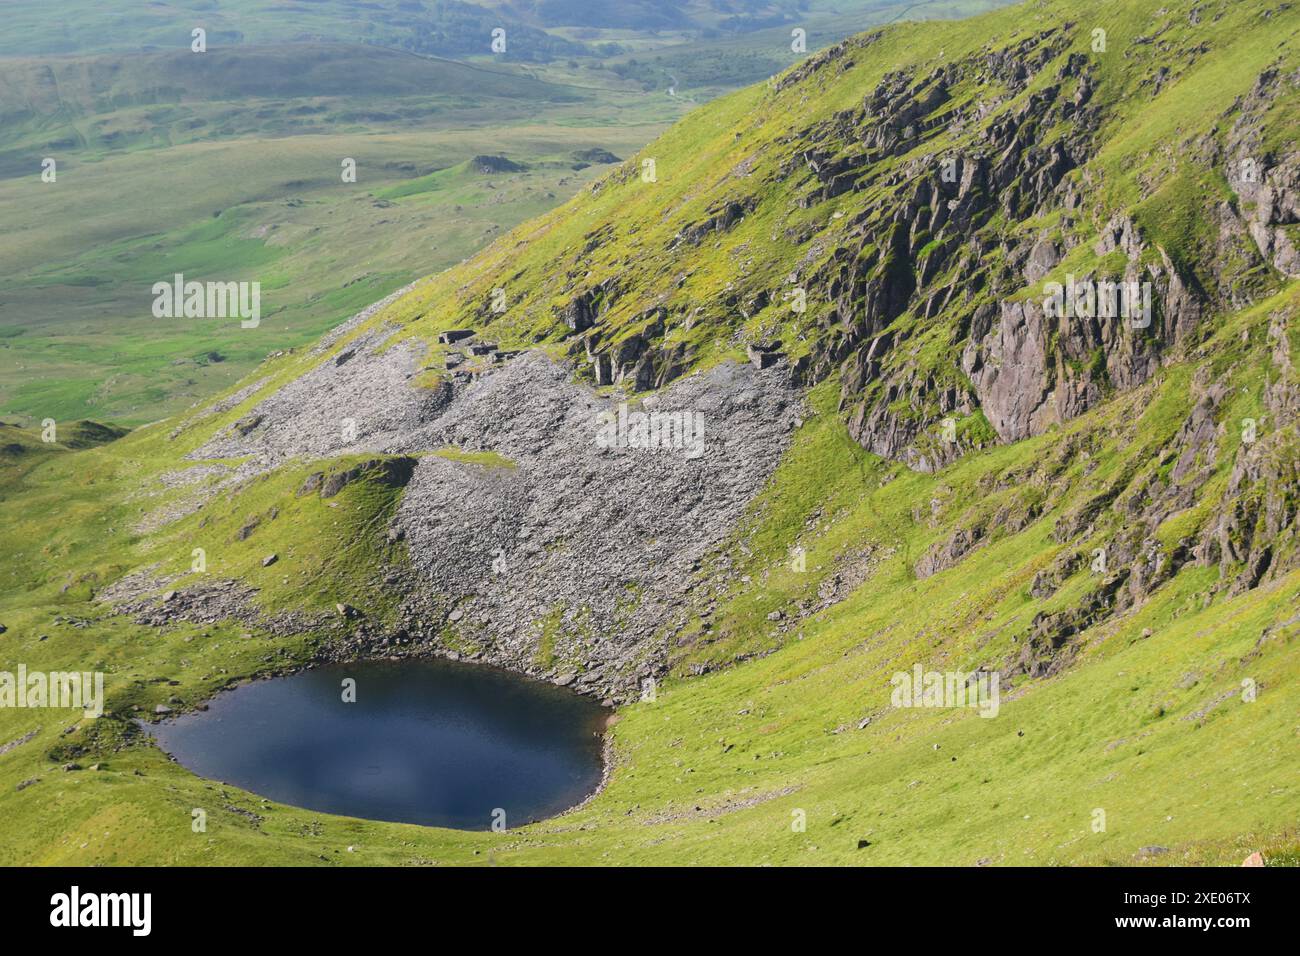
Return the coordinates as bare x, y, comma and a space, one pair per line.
18, 742
601, 539
1268, 190
364, 405
492, 165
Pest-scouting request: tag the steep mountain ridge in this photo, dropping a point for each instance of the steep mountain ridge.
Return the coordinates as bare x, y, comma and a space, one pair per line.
931, 210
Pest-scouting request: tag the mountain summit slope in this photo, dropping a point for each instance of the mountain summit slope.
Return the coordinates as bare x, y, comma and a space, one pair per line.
902, 198
990, 329
903, 245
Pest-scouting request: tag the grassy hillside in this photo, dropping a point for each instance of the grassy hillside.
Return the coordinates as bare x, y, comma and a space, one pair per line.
1152, 687
79, 335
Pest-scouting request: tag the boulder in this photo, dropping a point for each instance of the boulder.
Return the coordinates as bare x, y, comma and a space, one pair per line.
763, 355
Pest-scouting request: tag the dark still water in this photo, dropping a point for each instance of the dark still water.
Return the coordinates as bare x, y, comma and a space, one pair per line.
431, 742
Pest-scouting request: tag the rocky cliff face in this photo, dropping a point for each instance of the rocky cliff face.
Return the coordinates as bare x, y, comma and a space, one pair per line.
961, 220
931, 213
1266, 181
956, 193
